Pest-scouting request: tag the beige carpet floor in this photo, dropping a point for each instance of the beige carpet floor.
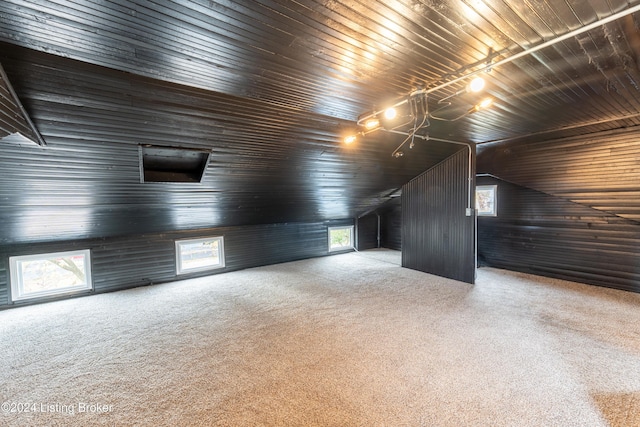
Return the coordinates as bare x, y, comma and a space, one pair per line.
345, 340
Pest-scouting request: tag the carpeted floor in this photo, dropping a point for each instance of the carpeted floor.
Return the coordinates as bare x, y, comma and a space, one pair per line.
346, 340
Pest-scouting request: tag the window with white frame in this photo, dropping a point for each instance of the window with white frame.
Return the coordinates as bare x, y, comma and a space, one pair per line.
199, 254
340, 238
487, 200
45, 275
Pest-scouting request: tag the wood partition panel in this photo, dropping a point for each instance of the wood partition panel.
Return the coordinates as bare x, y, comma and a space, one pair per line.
438, 236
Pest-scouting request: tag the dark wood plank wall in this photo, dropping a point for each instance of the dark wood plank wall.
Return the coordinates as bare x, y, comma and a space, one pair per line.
382, 228
568, 208
547, 235
391, 225
599, 170
264, 168
367, 232
269, 87
4, 281
127, 262
437, 235
339, 58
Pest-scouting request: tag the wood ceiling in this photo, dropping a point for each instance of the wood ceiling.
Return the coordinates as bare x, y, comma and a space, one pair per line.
271, 87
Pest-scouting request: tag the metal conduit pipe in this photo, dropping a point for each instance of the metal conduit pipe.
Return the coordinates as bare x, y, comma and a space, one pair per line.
378, 215
469, 172
511, 58
525, 52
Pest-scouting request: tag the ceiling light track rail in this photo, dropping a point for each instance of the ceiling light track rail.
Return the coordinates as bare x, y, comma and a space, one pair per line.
541, 46
373, 121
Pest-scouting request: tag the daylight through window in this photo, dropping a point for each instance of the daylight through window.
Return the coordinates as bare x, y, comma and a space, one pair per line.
486, 200
199, 254
340, 238
43, 275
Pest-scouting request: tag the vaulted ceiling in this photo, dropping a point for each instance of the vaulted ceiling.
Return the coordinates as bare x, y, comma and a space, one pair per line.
271, 88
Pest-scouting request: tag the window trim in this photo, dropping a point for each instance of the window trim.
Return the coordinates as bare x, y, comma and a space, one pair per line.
351, 238
17, 285
494, 189
180, 270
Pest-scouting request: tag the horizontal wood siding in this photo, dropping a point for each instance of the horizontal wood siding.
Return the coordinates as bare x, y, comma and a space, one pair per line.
600, 170
276, 243
269, 164
573, 202
543, 234
437, 236
4, 282
126, 262
142, 260
340, 58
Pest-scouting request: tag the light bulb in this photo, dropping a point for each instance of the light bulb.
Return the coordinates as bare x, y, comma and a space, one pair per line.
390, 113
485, 103
350, 139
476, 85
372, 123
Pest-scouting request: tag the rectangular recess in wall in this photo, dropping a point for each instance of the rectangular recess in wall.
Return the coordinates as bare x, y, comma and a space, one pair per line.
172, 164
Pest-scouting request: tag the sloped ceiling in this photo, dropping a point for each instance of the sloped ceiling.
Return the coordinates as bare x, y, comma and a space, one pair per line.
15, 124
271, 88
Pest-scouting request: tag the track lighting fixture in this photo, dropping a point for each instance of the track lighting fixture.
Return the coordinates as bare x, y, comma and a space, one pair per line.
372, 123
350, 139
488, 66
475, 86
485, 103
411, 113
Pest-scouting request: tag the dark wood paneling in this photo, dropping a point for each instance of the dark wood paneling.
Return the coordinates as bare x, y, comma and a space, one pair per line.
126, 262
601, 170
341, 58
574, 203
367, 232
271, 86
437, 235
391, 225
549, 235
4, 281
269, 164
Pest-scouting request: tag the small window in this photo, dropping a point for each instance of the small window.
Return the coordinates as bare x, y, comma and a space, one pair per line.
199, 254
487, 200
340, 238
44, 275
